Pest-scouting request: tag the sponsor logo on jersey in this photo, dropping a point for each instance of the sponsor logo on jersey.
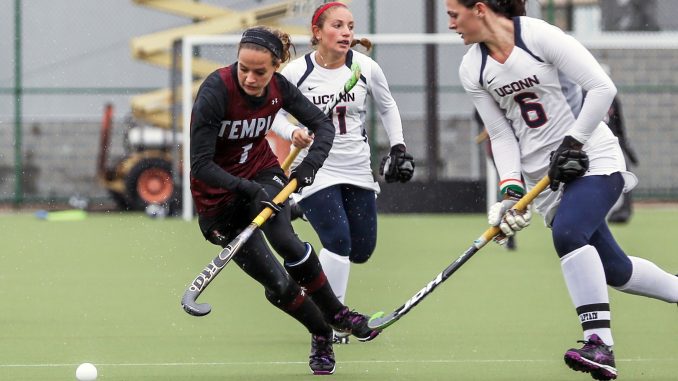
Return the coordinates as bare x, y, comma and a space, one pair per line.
517, 86
239, 129
278, 180
324, 99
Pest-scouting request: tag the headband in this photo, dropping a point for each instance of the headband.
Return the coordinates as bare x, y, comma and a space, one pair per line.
264, 38
325, 7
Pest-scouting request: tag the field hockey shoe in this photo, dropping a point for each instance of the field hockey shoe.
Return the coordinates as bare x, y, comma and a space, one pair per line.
594, 357
354, 323
341, 337
321, 359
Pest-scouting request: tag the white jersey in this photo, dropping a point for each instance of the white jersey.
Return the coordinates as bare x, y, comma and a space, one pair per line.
535, 98
349, 159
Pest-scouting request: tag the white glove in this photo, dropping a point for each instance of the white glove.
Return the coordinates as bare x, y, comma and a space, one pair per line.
508, 220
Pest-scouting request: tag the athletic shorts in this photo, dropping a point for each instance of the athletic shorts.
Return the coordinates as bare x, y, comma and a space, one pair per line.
237, 214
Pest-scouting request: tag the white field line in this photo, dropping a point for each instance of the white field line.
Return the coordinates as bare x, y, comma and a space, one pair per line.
260, 363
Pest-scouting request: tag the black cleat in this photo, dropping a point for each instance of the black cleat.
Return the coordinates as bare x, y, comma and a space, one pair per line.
594, 357
321, 359
354, 323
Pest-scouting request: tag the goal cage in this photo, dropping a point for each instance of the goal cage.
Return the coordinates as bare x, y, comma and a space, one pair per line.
642, 65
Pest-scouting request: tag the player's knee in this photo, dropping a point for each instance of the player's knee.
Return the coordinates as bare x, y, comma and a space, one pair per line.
338, 244
617, 271
218, 238
286, 246
283, 293
361, 253
567, 239
286, 242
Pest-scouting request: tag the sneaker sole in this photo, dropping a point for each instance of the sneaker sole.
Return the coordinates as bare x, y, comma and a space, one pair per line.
372, 335
598, 371
323, 372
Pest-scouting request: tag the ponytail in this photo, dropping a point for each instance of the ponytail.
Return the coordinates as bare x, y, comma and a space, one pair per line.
267, 39
367, 44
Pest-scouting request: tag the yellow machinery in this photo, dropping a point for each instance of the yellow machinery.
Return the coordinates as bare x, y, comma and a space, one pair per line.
145, 175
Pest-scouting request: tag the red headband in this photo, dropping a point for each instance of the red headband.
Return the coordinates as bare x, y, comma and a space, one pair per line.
324, 8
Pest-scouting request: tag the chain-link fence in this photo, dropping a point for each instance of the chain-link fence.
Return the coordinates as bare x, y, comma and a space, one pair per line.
56, 76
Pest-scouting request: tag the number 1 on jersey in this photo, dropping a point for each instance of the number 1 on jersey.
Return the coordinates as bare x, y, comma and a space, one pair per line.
245, 151
341, 118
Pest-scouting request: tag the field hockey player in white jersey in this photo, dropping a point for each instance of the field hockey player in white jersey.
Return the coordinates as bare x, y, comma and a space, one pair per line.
341, 203
526, 78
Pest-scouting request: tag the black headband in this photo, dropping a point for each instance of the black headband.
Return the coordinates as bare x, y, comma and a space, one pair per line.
264, 38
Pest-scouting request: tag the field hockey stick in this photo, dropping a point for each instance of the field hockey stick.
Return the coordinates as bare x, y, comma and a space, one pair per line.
220, 261
189, 300
379, 321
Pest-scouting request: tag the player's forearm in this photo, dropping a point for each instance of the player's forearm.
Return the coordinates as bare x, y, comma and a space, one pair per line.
318, 123
594, 110
211, 174
203, 167
322, 143
506, 154
393, 125
282, 126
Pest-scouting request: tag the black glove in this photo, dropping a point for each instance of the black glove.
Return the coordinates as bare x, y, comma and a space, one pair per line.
257, 194
397, 166
568, 162
304, 173
296, 211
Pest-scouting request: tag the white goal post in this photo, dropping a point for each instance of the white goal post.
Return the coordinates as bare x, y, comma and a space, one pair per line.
602, 40
189, 42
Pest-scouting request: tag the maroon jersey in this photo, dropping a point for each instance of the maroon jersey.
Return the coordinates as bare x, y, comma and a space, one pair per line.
228, 129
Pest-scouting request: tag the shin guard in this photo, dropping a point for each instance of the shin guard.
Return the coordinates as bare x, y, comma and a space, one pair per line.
297, 305
309, 274
585, 280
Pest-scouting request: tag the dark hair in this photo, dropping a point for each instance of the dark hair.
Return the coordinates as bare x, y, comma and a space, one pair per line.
320, 19
267, 39
506, 8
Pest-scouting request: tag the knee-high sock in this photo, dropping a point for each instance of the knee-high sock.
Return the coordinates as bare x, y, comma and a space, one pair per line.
336, 268
308, 273
585, 280
647, 279
296, 304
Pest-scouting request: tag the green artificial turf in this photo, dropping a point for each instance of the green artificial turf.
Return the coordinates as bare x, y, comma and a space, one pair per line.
106, 290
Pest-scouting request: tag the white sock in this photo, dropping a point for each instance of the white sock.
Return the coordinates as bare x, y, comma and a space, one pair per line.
647, 279
585, 280
336, 269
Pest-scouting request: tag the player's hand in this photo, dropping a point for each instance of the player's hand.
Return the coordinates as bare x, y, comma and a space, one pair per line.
257, 195
304, 173
398, 165
301, 138
568, 162
508, 220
